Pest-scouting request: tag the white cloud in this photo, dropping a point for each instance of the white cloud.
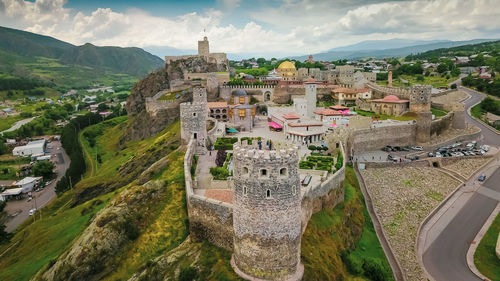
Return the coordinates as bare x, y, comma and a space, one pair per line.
295, 27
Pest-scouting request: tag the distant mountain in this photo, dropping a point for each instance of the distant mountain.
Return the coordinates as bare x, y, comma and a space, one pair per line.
385, 44
21, 46
358, 52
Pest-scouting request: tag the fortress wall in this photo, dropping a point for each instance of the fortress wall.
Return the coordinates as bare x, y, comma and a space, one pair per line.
326, 195
442, 124
209, 219
376, 138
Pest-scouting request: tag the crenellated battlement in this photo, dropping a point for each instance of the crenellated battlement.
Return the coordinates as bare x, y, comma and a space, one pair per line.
280, 152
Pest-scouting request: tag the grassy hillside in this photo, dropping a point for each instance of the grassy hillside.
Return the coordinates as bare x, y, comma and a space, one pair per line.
39, 243
341, 243
27, 54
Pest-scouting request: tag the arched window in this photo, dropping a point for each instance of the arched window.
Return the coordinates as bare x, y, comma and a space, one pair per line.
194, 114
245, 190
294, 190
283, 172
268, 193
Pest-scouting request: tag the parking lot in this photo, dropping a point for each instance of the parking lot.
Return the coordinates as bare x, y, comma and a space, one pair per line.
18, 210
412, 153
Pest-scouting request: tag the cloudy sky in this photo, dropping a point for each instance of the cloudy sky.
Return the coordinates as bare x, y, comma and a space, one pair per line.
259, 27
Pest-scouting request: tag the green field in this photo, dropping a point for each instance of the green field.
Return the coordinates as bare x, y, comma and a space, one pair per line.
404, 117
435, 81
485, 257
8, 121
438, 112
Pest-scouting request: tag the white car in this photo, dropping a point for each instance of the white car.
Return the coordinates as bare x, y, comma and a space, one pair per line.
420, 148
485, 147
438, 154
32, 211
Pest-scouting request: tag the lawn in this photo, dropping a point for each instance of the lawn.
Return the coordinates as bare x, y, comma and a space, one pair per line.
438, 112
405, 117
9, 165
485, 258
435, 81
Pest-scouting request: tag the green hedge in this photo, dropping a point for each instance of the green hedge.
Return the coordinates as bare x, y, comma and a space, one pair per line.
219, 173
225, 143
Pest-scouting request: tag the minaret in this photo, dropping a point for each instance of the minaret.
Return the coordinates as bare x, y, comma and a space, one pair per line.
389, 78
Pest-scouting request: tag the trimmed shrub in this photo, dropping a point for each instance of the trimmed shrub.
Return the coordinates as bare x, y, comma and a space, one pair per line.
219, 173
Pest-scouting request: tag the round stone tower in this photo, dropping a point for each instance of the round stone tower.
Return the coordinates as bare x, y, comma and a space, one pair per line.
266, 213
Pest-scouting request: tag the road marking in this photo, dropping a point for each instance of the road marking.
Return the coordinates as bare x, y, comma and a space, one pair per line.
488, 192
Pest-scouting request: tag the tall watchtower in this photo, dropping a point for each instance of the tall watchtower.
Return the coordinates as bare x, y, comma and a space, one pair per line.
203, 49
266, 213
420, 103
311, 96
193, 118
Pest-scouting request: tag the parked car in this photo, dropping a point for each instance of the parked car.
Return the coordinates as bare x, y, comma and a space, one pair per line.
430, 154
32, 211
485, 147
396, 148
481, 178
419, 148
387, 148
405, 148
438, 154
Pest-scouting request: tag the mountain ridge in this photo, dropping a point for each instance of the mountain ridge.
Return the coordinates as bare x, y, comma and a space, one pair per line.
118, 60
391, 52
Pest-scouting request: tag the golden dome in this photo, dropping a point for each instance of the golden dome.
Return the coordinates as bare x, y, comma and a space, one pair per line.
286, 65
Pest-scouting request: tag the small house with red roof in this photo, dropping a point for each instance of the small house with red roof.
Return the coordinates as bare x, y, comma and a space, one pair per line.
390, 105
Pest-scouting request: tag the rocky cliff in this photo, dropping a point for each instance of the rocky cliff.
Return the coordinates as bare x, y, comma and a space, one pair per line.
143, 124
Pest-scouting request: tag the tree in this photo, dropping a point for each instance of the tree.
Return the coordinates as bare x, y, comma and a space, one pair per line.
442, 68
420, 77
102, 107
220, 158
43, 169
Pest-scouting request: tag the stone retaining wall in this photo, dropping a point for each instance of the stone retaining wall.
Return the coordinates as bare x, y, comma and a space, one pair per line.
376, 138
441, 124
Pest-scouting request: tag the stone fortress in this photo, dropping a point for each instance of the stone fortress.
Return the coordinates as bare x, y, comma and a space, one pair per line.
262, 210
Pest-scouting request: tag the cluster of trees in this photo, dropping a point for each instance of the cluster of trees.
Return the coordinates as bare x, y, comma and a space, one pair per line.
446, 65
39, 126
409, 69
20, 83
69, 139
490, 105
492, 88
44, 169
4, 236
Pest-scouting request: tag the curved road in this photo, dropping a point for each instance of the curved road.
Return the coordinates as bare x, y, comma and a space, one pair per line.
445, 258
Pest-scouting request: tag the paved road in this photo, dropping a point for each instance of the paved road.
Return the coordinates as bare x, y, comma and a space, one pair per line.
18, 211
445, 258
18, 124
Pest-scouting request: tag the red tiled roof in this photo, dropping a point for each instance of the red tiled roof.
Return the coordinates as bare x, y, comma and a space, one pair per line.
390, 99
291, 116
339, 107
305, 124
327, 112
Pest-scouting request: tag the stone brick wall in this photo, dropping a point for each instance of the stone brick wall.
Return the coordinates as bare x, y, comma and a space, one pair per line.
374, 139
266, 211
209, 219
442, 124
